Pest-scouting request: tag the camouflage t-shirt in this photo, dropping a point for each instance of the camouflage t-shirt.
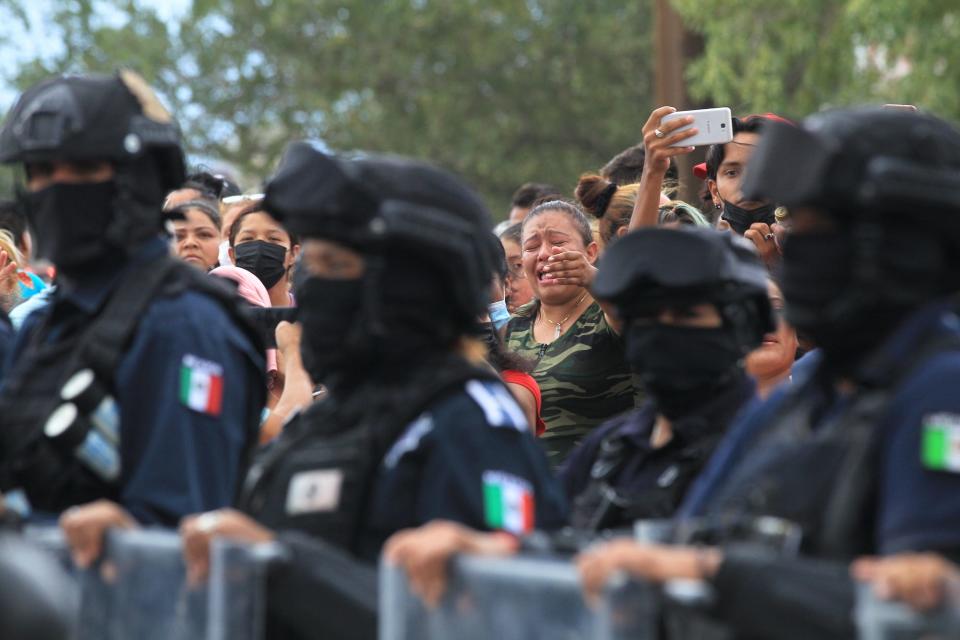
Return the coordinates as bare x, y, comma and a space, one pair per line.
583, 376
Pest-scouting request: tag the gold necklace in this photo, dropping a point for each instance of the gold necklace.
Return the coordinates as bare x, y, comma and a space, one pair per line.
559, 325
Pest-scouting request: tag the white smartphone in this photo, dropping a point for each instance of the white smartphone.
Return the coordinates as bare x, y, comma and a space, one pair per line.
714, 126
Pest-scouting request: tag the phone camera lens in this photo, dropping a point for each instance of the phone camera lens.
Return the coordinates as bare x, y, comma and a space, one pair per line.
723, 125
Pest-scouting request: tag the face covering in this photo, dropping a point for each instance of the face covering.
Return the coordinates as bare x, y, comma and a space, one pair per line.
682, 367
499, 315
263, 259
224, 254
327, 309
816, 275
741, 219
71, 222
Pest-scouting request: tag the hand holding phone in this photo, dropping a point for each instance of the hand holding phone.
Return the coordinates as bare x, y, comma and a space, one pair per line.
714, 126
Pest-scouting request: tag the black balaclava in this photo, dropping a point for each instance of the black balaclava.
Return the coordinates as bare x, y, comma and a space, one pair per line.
847, 322
70, 222
391, 317
683, 368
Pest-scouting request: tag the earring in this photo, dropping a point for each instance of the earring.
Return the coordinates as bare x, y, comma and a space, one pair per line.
717, 205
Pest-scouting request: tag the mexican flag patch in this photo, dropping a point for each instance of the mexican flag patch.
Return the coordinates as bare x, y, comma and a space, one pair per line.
201, 385
940, 449
507, 502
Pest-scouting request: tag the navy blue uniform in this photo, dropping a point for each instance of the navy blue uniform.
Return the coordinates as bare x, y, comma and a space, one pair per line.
917, 479
182, 443
6, 341
650, 482
470, 458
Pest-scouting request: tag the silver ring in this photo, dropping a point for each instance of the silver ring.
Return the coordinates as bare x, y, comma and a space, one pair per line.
769, 236
659, 134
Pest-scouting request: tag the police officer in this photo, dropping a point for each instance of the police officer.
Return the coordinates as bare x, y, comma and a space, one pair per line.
859, 454
693, 304
139, 383
394, 272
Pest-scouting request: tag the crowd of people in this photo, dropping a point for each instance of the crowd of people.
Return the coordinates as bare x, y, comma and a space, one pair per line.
351, 361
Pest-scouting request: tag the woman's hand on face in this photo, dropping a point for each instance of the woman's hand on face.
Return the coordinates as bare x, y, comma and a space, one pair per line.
197, 532
84, 527
918, 579
424, 553
766, 241
567, 266
657, 149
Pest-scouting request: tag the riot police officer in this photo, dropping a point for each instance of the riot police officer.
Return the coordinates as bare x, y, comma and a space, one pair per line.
693, 304
140, 382
394, 272
858, 454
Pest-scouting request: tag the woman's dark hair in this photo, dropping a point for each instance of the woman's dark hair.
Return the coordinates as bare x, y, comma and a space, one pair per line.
499, 356
716, 152
255, 207
203, 206
513, 233
626, 167
529, 194
572, 211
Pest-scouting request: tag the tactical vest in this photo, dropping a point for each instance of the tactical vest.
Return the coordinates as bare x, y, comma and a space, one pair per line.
52, 478
602, 505
824, 479
318, 477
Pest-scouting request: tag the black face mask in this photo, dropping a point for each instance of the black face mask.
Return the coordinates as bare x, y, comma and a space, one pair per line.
682, 367
816, 277
741, 219
70, 222
263, 259
328, 311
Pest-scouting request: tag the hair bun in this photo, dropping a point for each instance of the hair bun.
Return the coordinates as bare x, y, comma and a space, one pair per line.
594, 193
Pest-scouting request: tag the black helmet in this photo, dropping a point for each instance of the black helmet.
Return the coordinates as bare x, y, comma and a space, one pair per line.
380, 204
117, 119
890, 181
657, 266
863, 163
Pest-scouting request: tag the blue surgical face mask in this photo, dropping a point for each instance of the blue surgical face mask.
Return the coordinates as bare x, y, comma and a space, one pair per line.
499, 315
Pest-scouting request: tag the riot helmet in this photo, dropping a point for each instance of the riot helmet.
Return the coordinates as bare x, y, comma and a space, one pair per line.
82, 119
884, 186
679, 269
420, 231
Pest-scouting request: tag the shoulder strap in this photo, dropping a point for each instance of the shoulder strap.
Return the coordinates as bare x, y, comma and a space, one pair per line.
107, 339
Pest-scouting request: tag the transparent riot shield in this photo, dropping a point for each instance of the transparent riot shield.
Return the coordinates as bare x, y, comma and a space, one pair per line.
885, 620
512, 599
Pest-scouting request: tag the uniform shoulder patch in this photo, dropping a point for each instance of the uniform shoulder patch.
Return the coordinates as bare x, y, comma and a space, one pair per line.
201, 385
507, 502
499, 407
940, 442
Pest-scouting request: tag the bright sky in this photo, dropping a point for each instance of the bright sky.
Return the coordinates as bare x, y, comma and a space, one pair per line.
20, 45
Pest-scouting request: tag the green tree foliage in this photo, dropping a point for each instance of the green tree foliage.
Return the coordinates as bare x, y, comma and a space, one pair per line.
501, 91
798, 56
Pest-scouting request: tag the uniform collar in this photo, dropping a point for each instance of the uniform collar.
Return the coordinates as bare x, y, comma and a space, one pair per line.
89, 290
936, 317
712, 416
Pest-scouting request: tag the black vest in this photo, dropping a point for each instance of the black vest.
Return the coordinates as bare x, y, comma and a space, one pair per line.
822, 479
318, 476
52, 478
